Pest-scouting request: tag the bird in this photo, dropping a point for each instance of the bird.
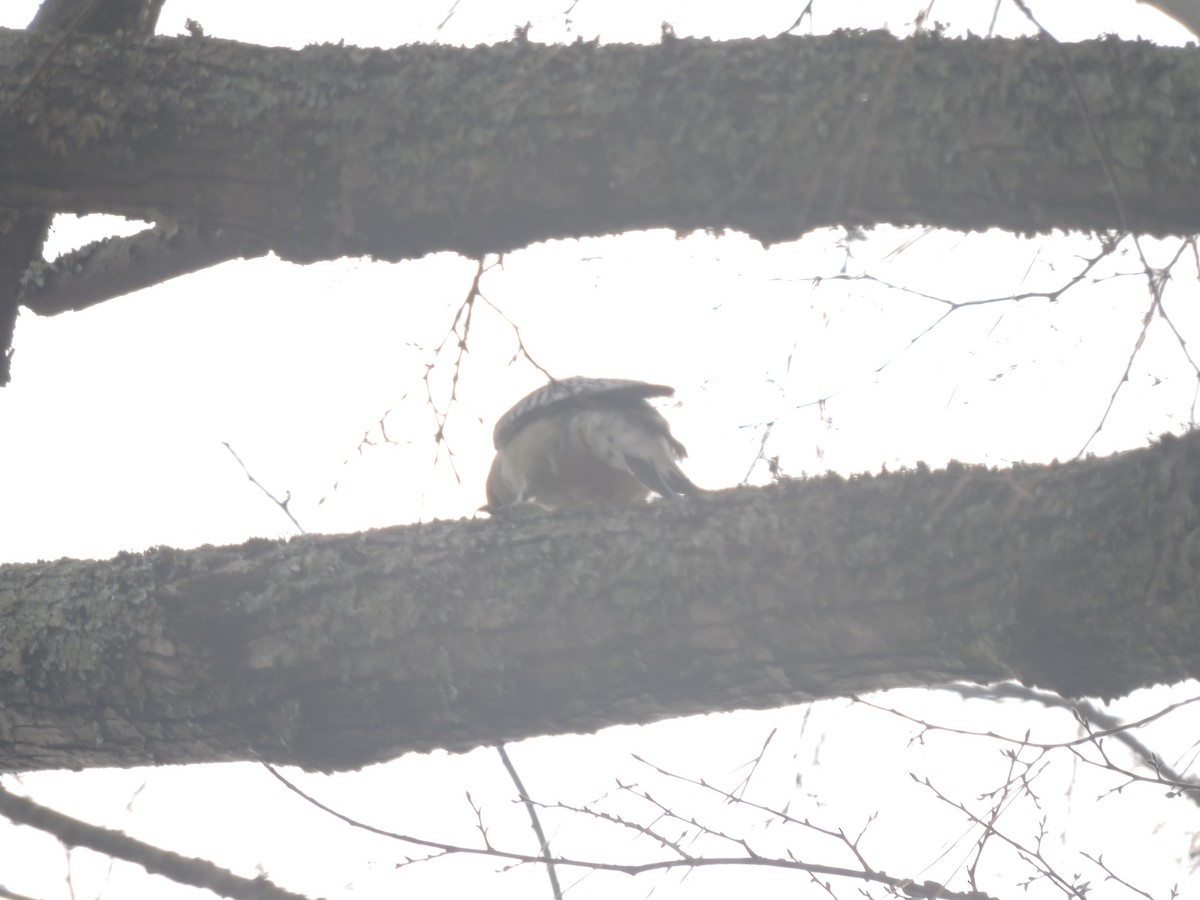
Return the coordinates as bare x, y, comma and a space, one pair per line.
581, 442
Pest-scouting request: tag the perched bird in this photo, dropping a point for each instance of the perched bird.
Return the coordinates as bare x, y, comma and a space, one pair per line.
586, 442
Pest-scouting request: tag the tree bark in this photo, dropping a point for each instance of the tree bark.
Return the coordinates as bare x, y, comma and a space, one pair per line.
334, 652
22, 233
333, 151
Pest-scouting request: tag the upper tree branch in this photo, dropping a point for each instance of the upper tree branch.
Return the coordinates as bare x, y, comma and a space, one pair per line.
333, 151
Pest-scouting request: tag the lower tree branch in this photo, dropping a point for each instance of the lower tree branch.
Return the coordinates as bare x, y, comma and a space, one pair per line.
332, 652
118, 266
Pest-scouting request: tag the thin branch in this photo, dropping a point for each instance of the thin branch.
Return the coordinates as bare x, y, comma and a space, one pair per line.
907, 886
839, 834
740, 791
1112, 876
1108, 246
449, 15
522, 350
1032, 856
462, 317
1124, 379
1087, 713
1155, 279
365, 442
1146, 720
282, 504
649, 831
181, 869
534, 821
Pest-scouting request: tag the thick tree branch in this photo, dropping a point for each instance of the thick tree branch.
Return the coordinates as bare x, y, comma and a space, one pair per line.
23, 231
118, 266
333, 151
334, 652
22, 235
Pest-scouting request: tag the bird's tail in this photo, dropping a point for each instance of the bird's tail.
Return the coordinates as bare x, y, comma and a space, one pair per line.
668, 480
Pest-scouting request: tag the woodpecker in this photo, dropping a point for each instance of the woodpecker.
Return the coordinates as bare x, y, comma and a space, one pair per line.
586, 442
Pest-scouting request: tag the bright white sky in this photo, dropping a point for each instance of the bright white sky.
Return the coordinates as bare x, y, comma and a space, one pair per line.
115, 421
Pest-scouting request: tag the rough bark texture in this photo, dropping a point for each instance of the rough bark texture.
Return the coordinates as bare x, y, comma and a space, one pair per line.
333, 652
333, 151
23, 232
117, 266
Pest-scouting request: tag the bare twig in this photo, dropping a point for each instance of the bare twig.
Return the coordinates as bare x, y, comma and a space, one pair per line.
1024, 742
1099, 860
906, 886
459, 331
522, 350
182, 869
838, 835
282, 504
1033, 856
1155, 279
534, 820
1087, 713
